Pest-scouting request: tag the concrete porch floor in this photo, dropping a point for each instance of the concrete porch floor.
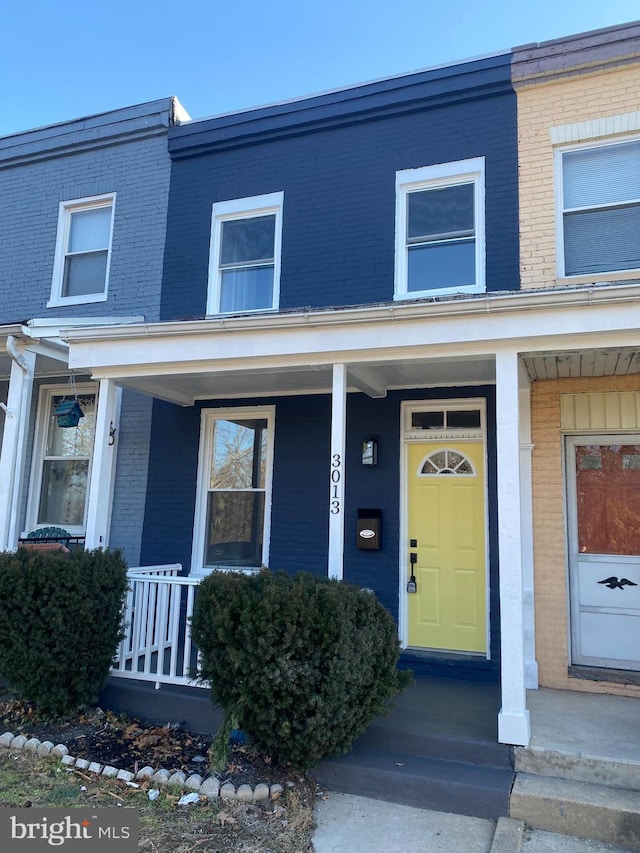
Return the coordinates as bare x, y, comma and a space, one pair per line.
586, 724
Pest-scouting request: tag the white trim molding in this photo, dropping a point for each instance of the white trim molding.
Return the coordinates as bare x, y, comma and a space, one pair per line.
243, 209
594, 186
208, 418
45, 400
439, 177
63, 251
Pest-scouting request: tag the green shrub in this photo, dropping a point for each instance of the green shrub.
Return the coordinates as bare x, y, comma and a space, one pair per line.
301, 664
60, 624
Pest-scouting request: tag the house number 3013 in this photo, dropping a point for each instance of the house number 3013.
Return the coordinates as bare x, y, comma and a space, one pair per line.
336, 476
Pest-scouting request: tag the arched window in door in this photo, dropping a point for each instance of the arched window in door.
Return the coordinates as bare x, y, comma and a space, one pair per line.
446, 462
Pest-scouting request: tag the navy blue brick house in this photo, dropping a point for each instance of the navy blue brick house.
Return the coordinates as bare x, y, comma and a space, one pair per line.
328, 352
335, 159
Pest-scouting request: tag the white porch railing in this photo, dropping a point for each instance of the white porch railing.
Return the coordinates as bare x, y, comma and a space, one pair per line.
157, 646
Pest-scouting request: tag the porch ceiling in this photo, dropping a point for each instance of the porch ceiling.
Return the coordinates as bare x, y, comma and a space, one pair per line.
601, 362
44, 366
374, 379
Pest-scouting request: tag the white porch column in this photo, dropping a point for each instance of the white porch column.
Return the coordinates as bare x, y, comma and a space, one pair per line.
513, 719
336, 472
526, 515
103, 467
14, 446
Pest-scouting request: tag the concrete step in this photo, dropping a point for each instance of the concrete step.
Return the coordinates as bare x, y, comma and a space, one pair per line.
428, 783
579, 767
582, 809
462, 747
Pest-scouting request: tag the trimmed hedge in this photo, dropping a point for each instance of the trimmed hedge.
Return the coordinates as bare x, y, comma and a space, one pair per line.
300, 663
60, 624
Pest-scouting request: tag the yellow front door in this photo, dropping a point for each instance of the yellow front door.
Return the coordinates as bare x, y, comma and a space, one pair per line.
447, 527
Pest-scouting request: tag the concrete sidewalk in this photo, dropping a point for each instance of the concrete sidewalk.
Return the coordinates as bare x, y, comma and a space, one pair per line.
350, 824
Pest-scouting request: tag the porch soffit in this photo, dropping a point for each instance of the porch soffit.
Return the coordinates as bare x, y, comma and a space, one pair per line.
600, 362
185, 389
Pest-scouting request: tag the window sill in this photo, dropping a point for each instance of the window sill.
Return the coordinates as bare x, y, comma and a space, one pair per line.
251, 312
205, 571
598, 673
440, 291
88, 299
598, 278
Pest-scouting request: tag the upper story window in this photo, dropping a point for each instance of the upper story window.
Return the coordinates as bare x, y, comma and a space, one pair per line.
440, 245
83, 249
244, 264
599, 208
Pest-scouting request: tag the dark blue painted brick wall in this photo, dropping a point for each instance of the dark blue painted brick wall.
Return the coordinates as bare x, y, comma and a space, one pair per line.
171, 485
299, 521
299, 524
339, 202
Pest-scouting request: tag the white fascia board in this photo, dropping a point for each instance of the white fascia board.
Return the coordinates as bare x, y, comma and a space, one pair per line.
11, 329
527, 322
50, 327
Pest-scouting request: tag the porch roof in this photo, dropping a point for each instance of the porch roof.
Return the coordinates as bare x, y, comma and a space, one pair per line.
581, 330
43, 335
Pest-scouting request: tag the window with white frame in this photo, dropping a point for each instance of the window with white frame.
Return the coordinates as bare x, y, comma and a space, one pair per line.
83, 249
440, 245
244, 263
62, 457
234, 489
599, 201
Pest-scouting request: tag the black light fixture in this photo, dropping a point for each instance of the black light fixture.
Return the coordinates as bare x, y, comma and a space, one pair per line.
370, 451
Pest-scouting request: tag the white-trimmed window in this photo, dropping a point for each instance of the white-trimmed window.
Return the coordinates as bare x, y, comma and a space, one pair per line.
599, 208
233, 506
83, 250
440, 244
59, 484
244, 261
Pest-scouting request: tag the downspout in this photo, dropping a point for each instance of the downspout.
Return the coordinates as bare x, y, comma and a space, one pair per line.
12, 349
13, 440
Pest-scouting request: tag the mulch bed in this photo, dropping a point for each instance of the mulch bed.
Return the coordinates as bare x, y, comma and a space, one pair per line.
129, 744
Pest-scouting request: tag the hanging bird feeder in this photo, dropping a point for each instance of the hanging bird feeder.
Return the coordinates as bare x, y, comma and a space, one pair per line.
68, 412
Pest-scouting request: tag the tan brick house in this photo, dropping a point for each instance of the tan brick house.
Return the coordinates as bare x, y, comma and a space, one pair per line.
579, 184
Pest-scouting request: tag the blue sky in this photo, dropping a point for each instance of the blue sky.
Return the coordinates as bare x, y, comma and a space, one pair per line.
63, 59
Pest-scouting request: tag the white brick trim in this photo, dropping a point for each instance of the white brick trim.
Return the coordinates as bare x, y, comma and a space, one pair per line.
594, 128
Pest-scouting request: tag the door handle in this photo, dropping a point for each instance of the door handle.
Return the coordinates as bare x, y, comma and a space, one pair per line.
412, 585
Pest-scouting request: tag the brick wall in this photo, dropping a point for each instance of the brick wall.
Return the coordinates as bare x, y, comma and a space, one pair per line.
130, 488
300, 497
549, 105
138, 172
549, 523
339, 202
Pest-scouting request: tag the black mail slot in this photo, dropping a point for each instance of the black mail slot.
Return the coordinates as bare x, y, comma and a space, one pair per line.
368, 529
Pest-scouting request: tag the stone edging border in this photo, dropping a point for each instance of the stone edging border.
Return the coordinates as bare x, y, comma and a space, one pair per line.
209, 787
